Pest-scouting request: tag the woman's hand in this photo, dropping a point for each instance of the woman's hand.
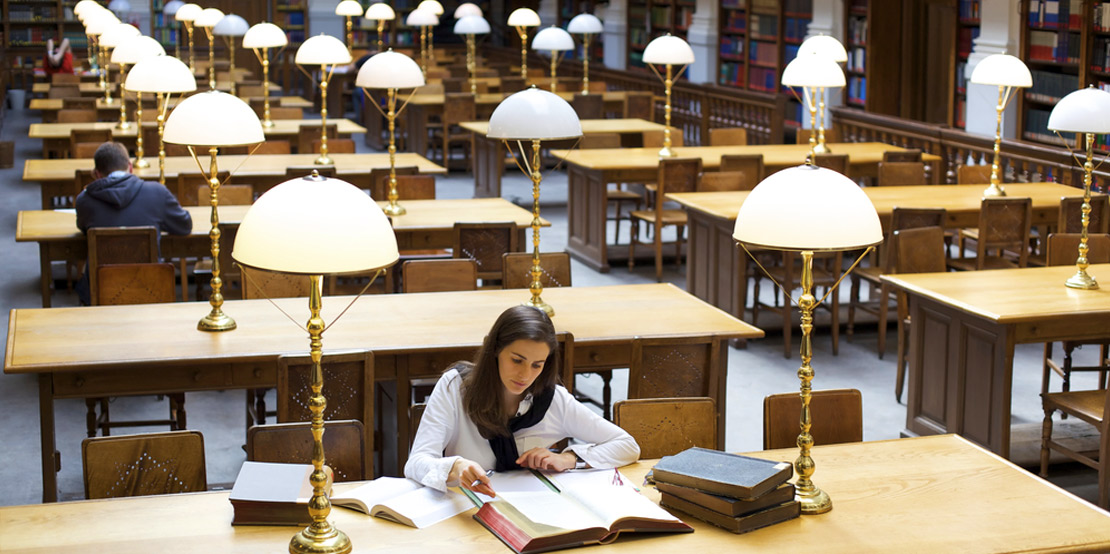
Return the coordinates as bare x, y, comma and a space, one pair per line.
469, 475
542, 458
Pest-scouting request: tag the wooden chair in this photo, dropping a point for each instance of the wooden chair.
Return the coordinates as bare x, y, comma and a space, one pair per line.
119, 245
65, 79
278, 147
84, 150
588, 106
145, 464
616, 195
837, 416
901, 173
917, 250
728, 136
751, 165
516, 270
485, 243
439, 275
512, 84
457, 108
81, 179
674, 367
1004, 224
335, 146
227, 195
79, 103
1091, 406
718, 181
639, 105
309, 132
348, 388
189, 183
140, 283
675, 175
416, 187
907, 155
379, 180
64, 92
836, 162
667, 426
293, 171
71, 115
973, 175
1070, 214
259, 283
278, 112
94, 136
786, 270
291, 443
832, 134
654, 139
250, 92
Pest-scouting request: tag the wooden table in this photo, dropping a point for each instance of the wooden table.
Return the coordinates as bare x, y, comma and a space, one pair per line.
930, 494
110, 112
93, 88
156, 347
965, 327
716, 268
589, 173
428, 224
262, 171
489, 154
55, 136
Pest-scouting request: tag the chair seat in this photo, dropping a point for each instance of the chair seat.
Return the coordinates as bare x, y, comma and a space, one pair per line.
668, 217
869, 274
1087, 405
614, 194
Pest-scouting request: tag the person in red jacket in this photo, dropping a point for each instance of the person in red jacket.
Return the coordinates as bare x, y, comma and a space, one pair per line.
58, 60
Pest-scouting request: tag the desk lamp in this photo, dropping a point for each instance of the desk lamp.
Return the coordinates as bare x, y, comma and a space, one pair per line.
229, 27
521, 19
435, 7
81, 10
668, 51
316, 226
424, 19
327, 52
469, 26
838, 216
207, 20
380, 12
1086, 112
130, 52
169, 11
586, 25
557, 41
122, 8
214, 119
390, 71
349, 9
813, 73
164, 76
187, 14
467, 9
1007, 73
533, 115
109, 40
827, 46
261, 38
95, 26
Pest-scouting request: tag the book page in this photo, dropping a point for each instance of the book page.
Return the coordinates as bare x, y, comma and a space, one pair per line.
613, 503
375, 492
548, 507
425, 506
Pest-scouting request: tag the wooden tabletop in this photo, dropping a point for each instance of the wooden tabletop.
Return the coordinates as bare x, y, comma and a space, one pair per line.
496, 97
928, 494
48, 104
93, 88
774, 155
589, 126
281, 127
256, 165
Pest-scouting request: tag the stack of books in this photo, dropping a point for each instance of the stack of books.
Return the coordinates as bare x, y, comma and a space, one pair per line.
734, 492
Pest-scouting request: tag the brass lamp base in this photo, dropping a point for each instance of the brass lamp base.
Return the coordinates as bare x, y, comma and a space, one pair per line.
1082, 280
268, 123
141, 163
123, 125
821, 148
539, 304
323, 160
667, 152
215, 321
394, 209
332, 541
814, 501
994, 191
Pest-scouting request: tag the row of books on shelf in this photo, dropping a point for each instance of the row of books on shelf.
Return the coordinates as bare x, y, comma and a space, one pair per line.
1050, 46
732, 73
961, 113
24, 14
961, 77
764, 25
1058, 14
763, 79
1050, 86
857, 30
165, 35
797, 6
857, 59
789, 52
1101, 20
732, 4
968, 9
29, 35
1100, 54
732, 47
765, 5
735, 22
661, 16
964, 40
638, 35
857, 90
795, 28
293, 18
763, 52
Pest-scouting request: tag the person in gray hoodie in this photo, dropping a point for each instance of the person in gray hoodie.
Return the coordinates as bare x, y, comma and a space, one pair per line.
119, 199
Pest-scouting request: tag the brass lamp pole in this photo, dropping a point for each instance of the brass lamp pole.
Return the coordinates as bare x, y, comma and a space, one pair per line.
812, 72
230, 27
392, 71
521, 19
469, 26
348, 9
160, 75
556, 41
123, 123
586, 25
207, 20
830, 47
1007, 73
327, 52
260, 38
187, 15
668, 50
380, 12
436, 9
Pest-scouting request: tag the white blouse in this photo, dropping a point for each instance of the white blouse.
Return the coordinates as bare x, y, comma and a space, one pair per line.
447, 433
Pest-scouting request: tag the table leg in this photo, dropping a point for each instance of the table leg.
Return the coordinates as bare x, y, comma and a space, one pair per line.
586, 210
51, 459
45, 275
489, 165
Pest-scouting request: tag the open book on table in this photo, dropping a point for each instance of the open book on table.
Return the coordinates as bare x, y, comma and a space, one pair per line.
403, 501
537, 512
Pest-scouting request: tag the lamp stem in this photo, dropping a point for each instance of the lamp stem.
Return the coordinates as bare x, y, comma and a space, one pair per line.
554, 64
90, 53
211, 58
811, 105
95, 45
266, 121
821, 148
813, 499
123, 123
666, 151
140, 162
381, 30
537, 286
424, 50
522, 32
106, 72
192, 52
323, 159
216, 320
471, 62
391, 115
231, 62
350, 35
161, 142
995, 188
177, 41
320, 536
431, 47
1082, 280
585, 63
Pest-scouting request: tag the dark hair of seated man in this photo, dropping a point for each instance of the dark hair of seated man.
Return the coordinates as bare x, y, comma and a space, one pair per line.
110, 157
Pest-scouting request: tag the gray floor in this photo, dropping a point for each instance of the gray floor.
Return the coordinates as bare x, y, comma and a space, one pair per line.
754, 372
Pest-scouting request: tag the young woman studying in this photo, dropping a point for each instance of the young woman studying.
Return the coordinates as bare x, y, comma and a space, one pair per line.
503, 411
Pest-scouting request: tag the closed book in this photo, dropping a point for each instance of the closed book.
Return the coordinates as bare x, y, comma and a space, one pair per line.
739, 524
722, 473
272, 494
731, 507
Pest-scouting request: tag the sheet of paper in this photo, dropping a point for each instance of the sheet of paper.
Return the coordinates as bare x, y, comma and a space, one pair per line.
380, 490
550, 508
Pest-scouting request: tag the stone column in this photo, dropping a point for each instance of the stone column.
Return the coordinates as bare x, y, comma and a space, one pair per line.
704, 37
999, 32
615, 19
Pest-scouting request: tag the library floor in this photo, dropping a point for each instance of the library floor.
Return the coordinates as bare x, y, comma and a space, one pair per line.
754, 372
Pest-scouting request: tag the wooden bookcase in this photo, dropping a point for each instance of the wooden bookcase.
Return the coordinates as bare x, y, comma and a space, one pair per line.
648, 19
398, 35
27, 24
567, 10
291, 15
967, 29
163, 29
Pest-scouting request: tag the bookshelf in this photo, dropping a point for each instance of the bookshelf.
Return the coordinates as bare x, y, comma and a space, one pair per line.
570, 8
967, 29
855, 71
648, 19
1059, 46
398, 35
162, 28
27, 24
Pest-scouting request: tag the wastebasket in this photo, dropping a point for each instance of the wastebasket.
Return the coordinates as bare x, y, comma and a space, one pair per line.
16, 98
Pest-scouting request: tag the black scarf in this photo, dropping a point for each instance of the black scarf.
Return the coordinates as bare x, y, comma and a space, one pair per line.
504, 447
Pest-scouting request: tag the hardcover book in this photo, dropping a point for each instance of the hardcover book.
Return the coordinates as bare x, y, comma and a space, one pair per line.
739, 524
403, 501
272, 494
722, 473
731, 507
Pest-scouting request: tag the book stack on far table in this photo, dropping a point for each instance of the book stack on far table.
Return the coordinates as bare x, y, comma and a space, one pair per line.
734, 492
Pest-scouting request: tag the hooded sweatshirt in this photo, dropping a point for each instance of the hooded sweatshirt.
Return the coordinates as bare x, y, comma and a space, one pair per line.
125, 200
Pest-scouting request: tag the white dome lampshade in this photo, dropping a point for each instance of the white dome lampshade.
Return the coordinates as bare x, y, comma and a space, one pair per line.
389, 70
552, 38
585, 24
119, 6
82, 6
432, 6
188, 12
208, 18
315, 226
1082, 111
136, 49
98, 23
322, 50
668, 50
534, 114
231, 25
265, 35
213, 118
825, 45
88, 12
380, 11
467, 9
524, 17
170, 8
165, 74
1002, 70
116, 34
813, 70
421, 18
808, 208
349, 8
472, 25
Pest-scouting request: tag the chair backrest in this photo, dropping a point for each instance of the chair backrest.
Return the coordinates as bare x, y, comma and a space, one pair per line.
516, 271
119, 245
716, 181
674, 367
97, 136
274, 147
148, 283
836, 162
455, 85
292, 171
439, 275
252, 91
81, 179
599, 140
281, 112
69, 91
75, 115
84, 150
258, 283
79, 103
1071, 214
416, 187
291, 443
65, 79
485, 243
973, 174
227, 195
837, 416
1005, 223
458, 107
918, 250
639, 105
335, 146
1063, 248
832, 134
588, 106
512, 84
653, 139
751, 165
908, 218
901, 173
379, 180
309, 132
188, 183
907, 155
667, 426
728, 136
676, 175
144, 464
